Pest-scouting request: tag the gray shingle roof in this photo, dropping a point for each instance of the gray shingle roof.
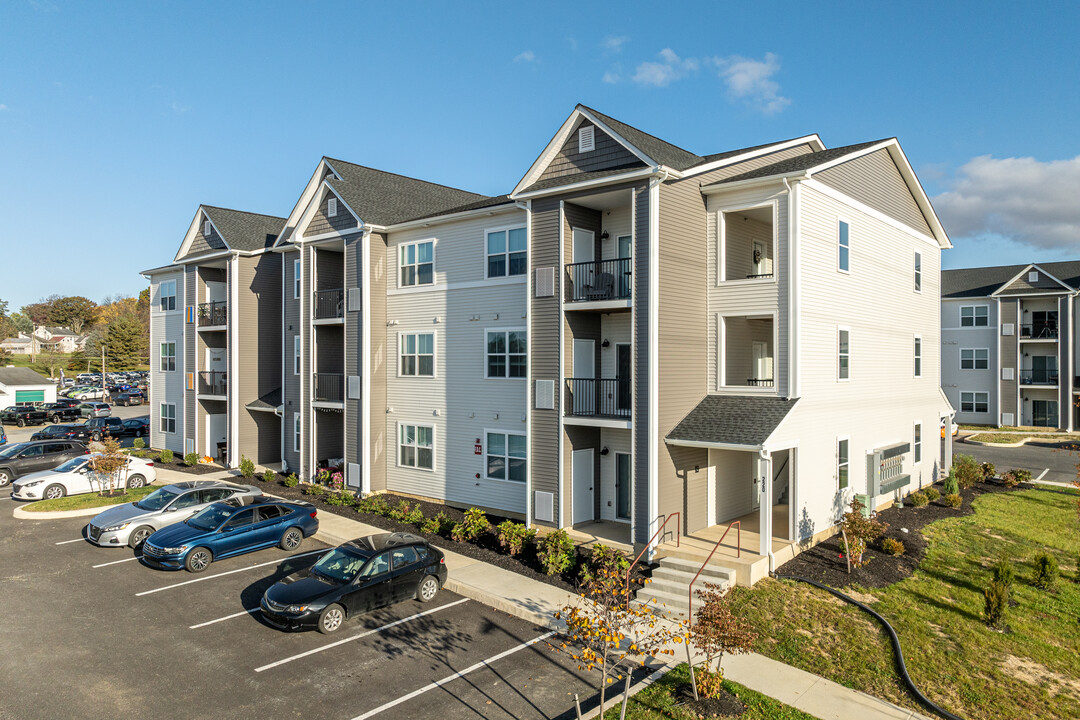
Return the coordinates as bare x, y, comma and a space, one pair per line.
799, 163
21, 376
580, 177
733, 420
983, 281
659, 150
243, 230
269, 401
384, 198
732, 153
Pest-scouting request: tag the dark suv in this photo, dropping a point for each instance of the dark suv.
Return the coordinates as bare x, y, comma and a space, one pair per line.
23, 415
99, 427
63, 411
36, 456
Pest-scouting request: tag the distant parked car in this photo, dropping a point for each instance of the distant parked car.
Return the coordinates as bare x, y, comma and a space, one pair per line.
34, 456
92, 393
23, 415
128, 398
136, 427
222, 530
57, 432
62, 411
95, 409
3, 436
76, 478
99, 427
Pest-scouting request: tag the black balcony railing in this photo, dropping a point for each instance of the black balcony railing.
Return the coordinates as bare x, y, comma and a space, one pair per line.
595, 397
758, 276
1039, 331
759, 382
599, 280
213, 313
329, 387
1038, 377
213, 383
329, 304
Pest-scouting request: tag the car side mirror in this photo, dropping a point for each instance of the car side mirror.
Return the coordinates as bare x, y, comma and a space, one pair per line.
171, 508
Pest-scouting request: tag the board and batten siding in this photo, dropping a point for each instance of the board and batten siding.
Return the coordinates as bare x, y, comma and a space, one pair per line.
291, 388
167, 387
544, 323
259, 335
955, 338
608, 154
875, 180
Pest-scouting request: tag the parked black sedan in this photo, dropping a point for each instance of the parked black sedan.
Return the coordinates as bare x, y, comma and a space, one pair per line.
354, 578
75, 431
136, 427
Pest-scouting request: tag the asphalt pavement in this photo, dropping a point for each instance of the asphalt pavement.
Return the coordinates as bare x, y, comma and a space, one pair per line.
17, 434
1050, 462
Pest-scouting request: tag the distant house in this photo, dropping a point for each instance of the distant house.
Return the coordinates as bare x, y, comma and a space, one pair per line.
59, 339
20, 344
23, 385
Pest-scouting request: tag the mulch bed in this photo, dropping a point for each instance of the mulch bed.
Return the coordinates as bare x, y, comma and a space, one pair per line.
826, 564
727, 705
179, 465
485, 549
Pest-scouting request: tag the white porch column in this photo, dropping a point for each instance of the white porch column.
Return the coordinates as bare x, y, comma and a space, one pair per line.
947, 460
765, 515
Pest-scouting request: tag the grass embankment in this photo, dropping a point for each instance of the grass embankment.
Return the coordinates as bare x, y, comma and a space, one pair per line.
658, 702
1031, 671
1015, 437
89, 500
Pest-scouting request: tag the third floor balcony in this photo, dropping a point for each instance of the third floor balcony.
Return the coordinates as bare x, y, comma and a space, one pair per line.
213, 315
329, 305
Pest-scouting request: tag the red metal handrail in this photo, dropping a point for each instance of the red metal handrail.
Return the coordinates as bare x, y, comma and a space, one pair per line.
738, 553
678, 533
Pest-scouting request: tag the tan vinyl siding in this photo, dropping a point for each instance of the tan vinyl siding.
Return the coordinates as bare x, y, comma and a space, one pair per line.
380, 360
544, 324
259, 330
875, 180
609, 153
321, 222
642, 450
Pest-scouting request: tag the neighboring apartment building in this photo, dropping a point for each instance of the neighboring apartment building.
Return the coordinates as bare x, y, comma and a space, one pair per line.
57, 339
215, 338
634, 332
1009, 344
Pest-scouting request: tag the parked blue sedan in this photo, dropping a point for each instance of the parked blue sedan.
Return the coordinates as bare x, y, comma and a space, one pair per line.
222, 530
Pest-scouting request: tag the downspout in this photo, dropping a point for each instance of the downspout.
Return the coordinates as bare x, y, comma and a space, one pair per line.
527, 207
793, 319
766, 506
281, 414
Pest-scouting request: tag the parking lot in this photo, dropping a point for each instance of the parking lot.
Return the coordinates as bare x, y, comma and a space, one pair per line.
17, 434
89, 632
1048, 462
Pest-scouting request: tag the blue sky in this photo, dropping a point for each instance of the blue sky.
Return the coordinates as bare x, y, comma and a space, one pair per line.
117, 119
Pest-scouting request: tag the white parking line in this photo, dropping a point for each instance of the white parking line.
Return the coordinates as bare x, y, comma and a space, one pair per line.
1042, 475
222, 619
230, 572
455, 676
361, 635
116, 562
68, 542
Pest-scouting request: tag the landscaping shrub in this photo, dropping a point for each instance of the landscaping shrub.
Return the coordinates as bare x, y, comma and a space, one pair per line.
166, 456
954, 500
269, 476
1002, 572
1023, 475
415, 516
967, 470
1009, 479
603, 559
987, 471
996, 596
556, 552
859, 531
374, 505
892, 546
717, 630
441, 524
191, 459
514, 536
951, 486
138, 443
1046, 571
931, 493
314, 490
247, 467
291, 480
473, 526
918, 499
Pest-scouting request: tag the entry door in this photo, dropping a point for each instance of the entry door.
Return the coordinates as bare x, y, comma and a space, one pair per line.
761, 362
622, 377
1044, 413
582, 480
217, 430
622, 486
584, 377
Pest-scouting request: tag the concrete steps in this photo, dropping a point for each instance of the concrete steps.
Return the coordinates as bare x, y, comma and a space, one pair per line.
671, 582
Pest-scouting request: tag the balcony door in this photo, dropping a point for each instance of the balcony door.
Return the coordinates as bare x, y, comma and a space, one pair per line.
1044, 413
626, 274
1044, 369
622, 378
622, 486
216, 291
584, 377
762, 364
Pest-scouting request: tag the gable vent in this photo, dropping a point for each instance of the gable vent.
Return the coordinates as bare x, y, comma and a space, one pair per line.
206, 228
331, 207
545, 282
586, 139
1033, 276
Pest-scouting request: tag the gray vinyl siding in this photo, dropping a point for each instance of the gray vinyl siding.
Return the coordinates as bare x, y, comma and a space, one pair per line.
1021, 285
259, 336
875, 180
608, 154
308, 429
321, 222
954, 379
381, 361
1065, 371
291, 390
204, 243
1010, 357
544, 323
191, 342
640, 293
167, 387
354, 319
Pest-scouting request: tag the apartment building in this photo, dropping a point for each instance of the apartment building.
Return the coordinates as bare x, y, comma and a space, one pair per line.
1009, 344
637, 340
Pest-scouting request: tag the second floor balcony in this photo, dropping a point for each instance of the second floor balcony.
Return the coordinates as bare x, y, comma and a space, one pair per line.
1039, 376
329, 304
214, 383
1039, 331
599, 397
599, 280
328, 388
213, 314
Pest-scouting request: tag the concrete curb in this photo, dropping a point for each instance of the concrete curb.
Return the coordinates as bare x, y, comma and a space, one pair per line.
994, 444
23, 514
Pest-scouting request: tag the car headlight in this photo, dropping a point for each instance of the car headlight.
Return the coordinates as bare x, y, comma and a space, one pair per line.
114, 528
32, 484
174, 550
296, 608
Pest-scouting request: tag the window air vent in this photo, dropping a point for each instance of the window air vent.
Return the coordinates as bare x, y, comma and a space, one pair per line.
545, 282
331, 207
586, 139
206, 228
1033, 276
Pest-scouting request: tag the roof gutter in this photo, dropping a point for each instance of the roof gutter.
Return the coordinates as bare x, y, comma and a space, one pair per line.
508, 206
753, 182
713, 445
609, 180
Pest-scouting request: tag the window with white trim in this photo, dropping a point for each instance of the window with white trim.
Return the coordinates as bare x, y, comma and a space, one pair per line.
917, 445
168, 357
296, 355
417, 263
506, 353
975, 402
296, 432
843, 354
416, 446
918, 356
296, 279
167, 298
918, 271
843, 246
506, 456
506, 253
417, 351
842, 463
974, 358
331, 207
974, 316
168, 417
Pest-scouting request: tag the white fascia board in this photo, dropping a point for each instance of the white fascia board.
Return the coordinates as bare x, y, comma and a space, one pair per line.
609, 180
193, 229
916, 188
304, 200
1028, 268
217, 254
506, 207
812, 140
722, 186
712, 445
163, 269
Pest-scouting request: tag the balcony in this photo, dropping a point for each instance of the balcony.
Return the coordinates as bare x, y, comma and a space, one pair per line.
329, 305
328, 388
1039, 377
1039, 331
213, 383
213, 314
599, 280
599, 398
759, 382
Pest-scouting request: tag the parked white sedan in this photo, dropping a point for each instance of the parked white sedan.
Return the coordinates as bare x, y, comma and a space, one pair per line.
75, 478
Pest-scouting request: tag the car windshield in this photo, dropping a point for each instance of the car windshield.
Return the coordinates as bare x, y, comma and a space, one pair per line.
211, 517
71, 465
12, 450
156, 500
338, 565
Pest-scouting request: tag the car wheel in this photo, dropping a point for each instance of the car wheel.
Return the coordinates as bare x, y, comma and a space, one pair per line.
427, 589
138, 432
331, 619
5, 478
198, 560
138, 536
53, 492
136, 481
291, 539
97, 437
20, 422
55, 419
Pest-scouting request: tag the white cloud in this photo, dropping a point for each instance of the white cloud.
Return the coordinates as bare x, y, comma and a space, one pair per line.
661, 74
751, 81
3, 107
611, 77
1029, 201
526, 56
613, 44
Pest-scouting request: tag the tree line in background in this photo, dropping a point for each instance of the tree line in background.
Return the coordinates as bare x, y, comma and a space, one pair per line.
118, 325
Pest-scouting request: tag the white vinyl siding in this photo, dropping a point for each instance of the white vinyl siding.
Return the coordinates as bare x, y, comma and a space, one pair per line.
506, 456
417, 354
843, 246
416, 264
168, 417
843, 354
918, 271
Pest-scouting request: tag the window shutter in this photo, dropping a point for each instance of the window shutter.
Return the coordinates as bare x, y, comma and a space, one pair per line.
545, 395
331, 207
545, 282
352, 300
587, 139
544, 506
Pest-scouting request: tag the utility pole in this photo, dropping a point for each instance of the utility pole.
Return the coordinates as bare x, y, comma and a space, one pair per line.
102, 373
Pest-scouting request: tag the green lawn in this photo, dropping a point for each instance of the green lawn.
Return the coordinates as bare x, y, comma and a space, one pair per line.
1032, 671
89, 500
657, 702
1016, 437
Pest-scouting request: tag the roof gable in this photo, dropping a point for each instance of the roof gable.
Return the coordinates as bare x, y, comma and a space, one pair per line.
875, 180
1032, 279
229, 230
985, 281
608, 154
197, 241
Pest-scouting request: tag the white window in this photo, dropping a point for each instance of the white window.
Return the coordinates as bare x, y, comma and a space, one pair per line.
586, 139
974, 402
417, 263
296, 432
416, 446
974, 358
918, 356
843, 354
168, 295
917, 445
506, 253
506, 456
974, 315
296, 355
168, 357
842, 462
296, 279
918, 271
331, 207
417, 353
168, 417
843, 243
506, 353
